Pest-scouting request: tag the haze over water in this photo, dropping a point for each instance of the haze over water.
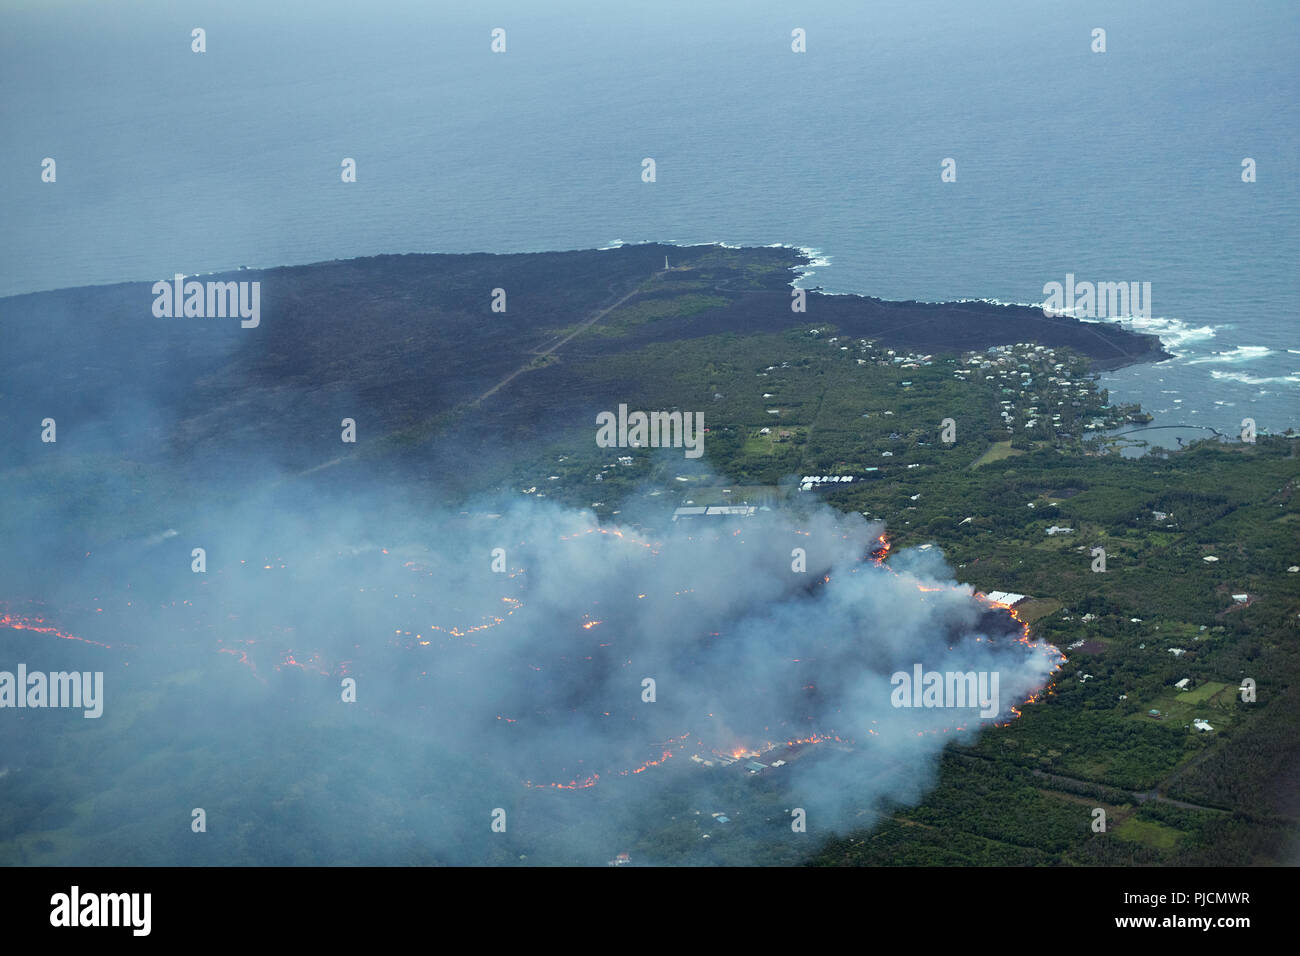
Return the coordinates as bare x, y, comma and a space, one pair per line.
1122, 166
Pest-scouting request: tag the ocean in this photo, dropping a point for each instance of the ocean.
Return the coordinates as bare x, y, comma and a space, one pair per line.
1122, 166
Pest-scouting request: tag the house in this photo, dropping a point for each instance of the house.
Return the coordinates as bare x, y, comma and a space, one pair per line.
732, 511
1200, 724
1008, 598
1182, 684
754, 766
1241, 598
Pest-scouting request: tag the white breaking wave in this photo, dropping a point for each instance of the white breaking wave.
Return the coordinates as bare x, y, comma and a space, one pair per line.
1174, 333
816, 260
1242, 353
1292, 379
990, 301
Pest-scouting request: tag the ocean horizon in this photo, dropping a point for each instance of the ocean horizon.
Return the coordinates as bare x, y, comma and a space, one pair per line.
1066, 161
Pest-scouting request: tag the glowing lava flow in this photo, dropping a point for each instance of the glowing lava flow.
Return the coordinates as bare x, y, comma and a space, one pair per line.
648, 764
666, 754
814, 739
877, 556
590, 781
652, 547
740, 753
38, 625
881, 552
1049, 688
575, 784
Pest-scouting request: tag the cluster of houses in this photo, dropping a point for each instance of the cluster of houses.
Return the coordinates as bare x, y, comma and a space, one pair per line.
750, 763
809, 482
868, 348
1199, 722
1023, 371
624, 461
1014, 370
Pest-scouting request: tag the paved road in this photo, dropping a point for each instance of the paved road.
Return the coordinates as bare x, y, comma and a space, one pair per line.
582, 327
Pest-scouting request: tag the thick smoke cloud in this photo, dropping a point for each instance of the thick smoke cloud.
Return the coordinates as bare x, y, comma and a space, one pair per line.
520, 687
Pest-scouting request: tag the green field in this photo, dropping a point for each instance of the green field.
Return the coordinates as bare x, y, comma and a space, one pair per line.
1148, 833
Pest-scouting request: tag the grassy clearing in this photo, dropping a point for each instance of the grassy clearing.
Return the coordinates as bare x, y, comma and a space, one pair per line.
997, 452
1035, 608
1148, 833
1202, 693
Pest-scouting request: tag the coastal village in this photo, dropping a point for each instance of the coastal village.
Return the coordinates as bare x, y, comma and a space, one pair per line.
1036, 395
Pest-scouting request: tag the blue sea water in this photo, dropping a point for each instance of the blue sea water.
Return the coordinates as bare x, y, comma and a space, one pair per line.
1115, 166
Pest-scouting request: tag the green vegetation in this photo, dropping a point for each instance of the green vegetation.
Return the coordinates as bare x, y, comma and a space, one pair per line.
1148, 833
847, 407
997, 452
783, 397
